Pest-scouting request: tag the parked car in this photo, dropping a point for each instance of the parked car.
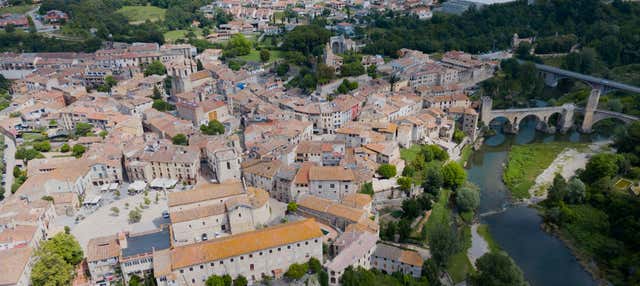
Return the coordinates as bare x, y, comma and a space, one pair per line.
165, 214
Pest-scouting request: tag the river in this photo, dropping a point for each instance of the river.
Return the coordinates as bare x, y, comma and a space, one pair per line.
543, 258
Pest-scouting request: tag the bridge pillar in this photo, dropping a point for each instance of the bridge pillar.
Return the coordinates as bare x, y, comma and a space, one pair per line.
550, 79
485, 111
566, 121
592, 105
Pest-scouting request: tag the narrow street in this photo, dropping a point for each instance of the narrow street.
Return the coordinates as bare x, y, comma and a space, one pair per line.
10, 162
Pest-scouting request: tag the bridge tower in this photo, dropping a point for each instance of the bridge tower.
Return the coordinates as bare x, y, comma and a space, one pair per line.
566, 121
485, 110
592, 105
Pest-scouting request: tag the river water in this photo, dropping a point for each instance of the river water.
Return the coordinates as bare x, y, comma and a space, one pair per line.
543, 258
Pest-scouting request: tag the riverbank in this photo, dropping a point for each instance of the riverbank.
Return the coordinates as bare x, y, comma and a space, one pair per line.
526, 162
585, 259
566, 163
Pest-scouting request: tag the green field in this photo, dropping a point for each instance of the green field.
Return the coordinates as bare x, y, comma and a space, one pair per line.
439, 212
254, 56
528, 161
18, 9
140, 14
172, 36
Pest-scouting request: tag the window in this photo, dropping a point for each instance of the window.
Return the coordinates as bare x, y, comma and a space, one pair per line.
241, 257
211, 264
250, 255
251, 267
190, 268
260, 253
181, 270
231, 259
270, 250
221, 262
332, 186
228, 166
202, 266
279, 249
288, 246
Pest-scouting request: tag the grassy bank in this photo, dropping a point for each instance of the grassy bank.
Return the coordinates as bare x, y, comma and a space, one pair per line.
439, 212
17, 9
483, 231
140, 14
528, 161
459, 265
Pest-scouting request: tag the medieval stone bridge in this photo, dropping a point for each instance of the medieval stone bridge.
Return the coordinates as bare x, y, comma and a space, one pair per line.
566, 112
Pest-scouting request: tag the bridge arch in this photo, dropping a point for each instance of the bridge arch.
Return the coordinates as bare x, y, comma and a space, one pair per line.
504, 122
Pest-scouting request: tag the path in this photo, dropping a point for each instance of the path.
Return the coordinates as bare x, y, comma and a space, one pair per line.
566, 164
478, 245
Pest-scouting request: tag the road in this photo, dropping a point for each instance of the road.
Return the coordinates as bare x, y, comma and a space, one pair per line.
10, 162
40, 27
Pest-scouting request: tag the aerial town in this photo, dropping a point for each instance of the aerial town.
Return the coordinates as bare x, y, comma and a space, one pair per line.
298, 142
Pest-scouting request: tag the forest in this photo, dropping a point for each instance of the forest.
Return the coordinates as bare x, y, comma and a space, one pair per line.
610, 29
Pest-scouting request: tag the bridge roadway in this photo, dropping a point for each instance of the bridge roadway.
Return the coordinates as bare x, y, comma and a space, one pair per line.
587, 78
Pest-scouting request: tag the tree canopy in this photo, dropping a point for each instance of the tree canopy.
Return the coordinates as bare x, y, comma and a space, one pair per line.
497, 269
155, 67
214, 127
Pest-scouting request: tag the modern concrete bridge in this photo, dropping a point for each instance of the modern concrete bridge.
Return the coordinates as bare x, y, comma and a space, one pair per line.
591, 113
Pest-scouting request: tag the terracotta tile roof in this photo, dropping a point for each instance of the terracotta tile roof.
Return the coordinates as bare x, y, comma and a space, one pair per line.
331, 207
196, 213
357, 200
330, 173
302, 177
18, 233
105, 247
266, 169
12, 264
204, 193
394, 253
234, 245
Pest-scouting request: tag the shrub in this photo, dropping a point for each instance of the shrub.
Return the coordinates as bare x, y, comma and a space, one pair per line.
387, 171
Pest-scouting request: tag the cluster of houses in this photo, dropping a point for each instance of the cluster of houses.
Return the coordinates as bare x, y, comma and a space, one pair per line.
276, 146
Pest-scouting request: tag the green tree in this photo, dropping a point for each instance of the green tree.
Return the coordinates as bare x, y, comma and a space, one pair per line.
558, 190
453, 175
180, 139
367, 188
240, 281
83, 129
115, 211
458, 136
156, 93
292, 207
265, 55
42, 146
215, 280
576, 191
410, 209
467, 198
497, 269
296, 271
314, 265
161, 105
443, 242
51, 269
103, 133
387, 171
64, 245
372, 71
214, 127
389, 232
325, 73
65, 148
78, 150
238, 45
404, 229
306, 39
27, 154
434, 152
405, 184
282, 69
434, 179
155, 67
135, 216
600, 166
199, 65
